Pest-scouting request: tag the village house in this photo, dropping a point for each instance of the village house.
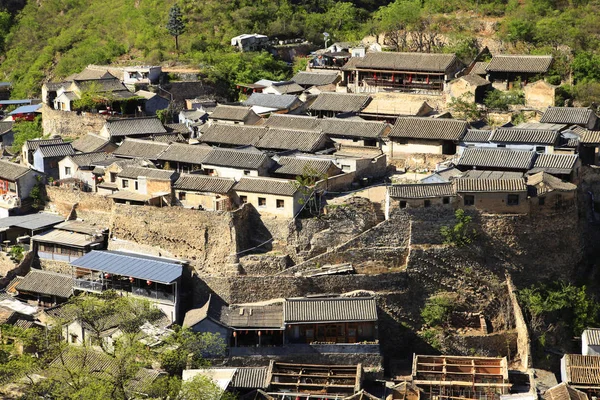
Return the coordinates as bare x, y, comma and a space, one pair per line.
25, 113
564, 166
389, 106
442, 175
106, 172
581, 372
184, 157
319, 79
20, 228
292, 167
204, 192
139, 148
107, 87
6, 135
273, 196
548, 192
521, 138
236, 163
16, 183
385, 71
69, 240
152, 102
141, 75
356, 132
117, 130
505, 70
589, 148
331, 104
365, 163
471, 88
44, 288
250, 42
30, 146
79, 166
495, 192
283, 87
590, 342
141, 185
472, 377
238, 115
264, 103
426, 135
92, 143
584, 117
131, 274
419, 195
496, 159
228, 135
192, 117
277, 139
474, 138
47, 156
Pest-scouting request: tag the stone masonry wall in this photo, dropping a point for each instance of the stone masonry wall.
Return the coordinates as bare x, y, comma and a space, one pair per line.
69, 123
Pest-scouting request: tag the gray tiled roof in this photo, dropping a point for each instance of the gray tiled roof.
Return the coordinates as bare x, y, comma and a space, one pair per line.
532, 136
282, 187
56, 150
89, 143
479, 174
567, 115
250, 378
155, 269
203, 183
421, 191
47, 283
287, 121
87, 159
35, 143
544, 183
590, 137
479, 68
137, 148
555, 163
250, 316
231, 113
287, 87
519, 63
434, 62
475, 80
287, 139
12, 171
194, 114
133, 172
175, 128
476, 136
5, 126
243, 159
299, 166
315, 79
340, 102
593, 336
497, 158
135, 127
330, 309
277, 101
186, 153
468, 185
429, 128
352, 128
171, 137
233, 135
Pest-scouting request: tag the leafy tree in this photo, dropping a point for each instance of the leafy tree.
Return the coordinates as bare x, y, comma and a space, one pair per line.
464, 107
396, 19
461, 234
24, 131
175, 25
438, 309
499, 100
202, 387
586, 67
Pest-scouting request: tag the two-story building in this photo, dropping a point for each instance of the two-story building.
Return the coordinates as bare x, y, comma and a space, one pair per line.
16, 183
69, 240
79, 167
142, 185
47, 156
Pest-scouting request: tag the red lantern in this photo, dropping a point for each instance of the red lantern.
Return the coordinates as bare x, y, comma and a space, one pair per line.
234, 334
148, 283
374, 75
259, 333
131, 279
107, 276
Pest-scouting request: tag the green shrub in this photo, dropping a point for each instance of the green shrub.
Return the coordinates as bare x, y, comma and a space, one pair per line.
461, 234
437, 310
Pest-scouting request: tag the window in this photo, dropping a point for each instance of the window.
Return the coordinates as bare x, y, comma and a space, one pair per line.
469, 200
113, 177
182, 196
402, 141
402, 204
246, 172
541, 201
501, 145
68, 171
513, 200
427, 203
53, 164
540, 149
125, 183
135, 185
280, 203
244, 199
446, 200
73, 338
346, 167
262, 202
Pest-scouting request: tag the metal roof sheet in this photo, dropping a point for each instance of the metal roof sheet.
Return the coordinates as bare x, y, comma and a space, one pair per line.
31, 221
154, 269
26, 109
330, 309
66, 238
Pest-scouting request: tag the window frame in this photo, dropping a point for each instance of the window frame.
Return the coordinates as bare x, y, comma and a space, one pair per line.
262, 200
510, 199
469, 199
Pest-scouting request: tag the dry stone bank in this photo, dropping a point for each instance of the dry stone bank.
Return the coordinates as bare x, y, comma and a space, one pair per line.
70, 124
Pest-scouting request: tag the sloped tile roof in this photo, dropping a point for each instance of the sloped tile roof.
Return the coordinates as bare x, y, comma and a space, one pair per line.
477, 136
5, 126
287, 121
336, 127
304, 78
250, 378
582, 370
277, 101
89, 143
530, 136
340, 102
47, 283
87, 159
555, 163
590, 137
11, 171
133, 172
429, 128
468, 185
187, 153
287, 87
172, 137
242, 159
545, 183
475, 80
519, 63
251, 316
233, 135
479, 68
137, 148
35, 143
282, 187
203, 183
330, 309
567, 115
433, 62
563, 391
175, 128
231, 113
479, 174
288, 139
56, 150
592, 335
497, 158
134, 127
421, 191
300, 166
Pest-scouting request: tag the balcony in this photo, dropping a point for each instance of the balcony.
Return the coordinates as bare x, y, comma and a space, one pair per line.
126, 288
340, 348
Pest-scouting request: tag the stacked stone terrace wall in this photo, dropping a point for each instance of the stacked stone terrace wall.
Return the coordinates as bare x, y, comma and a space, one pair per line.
70, 124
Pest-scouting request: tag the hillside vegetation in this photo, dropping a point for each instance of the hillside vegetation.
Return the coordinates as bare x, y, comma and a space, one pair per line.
50, 39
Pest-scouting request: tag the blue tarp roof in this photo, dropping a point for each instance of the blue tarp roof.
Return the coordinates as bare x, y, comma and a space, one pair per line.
26, 109
13, 102
154, 269
31, 221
